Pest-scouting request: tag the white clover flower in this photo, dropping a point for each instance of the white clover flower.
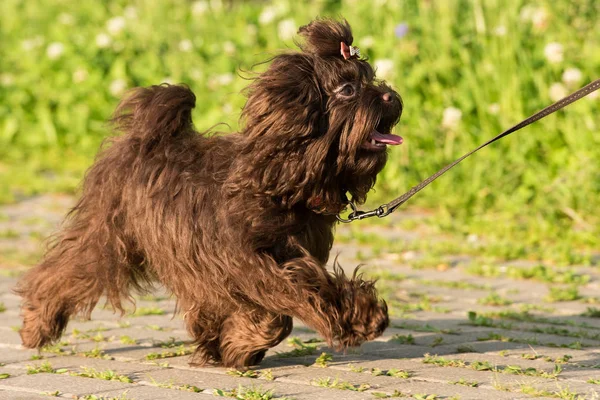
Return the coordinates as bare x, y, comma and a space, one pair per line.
527, 13
216, 81
384, 68
251, 30
28, 44
186, 45
451, 118
55, 50
130, 12
554, 52
367, 42
494, 108
66, 19
195, 74
229, 48
594, 95
168, 80
472, 238
572, 76
199, 7
557, 91
103, 40
7, 79
224, 79
115, 25
80, 75
227, 108
267, 15
500, 30
117, 87
286, 29
539, 18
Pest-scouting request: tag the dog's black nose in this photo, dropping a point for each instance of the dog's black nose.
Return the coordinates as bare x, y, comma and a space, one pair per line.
387, 97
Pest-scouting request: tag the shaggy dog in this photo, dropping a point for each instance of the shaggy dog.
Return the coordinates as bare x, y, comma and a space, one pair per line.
238, 227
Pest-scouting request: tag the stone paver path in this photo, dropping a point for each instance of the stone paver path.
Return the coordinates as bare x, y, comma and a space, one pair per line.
460, 329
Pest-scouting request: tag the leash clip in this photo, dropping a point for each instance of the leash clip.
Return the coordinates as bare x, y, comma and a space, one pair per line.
356, 214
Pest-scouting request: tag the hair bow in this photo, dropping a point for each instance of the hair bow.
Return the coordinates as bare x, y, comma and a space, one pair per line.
348, 51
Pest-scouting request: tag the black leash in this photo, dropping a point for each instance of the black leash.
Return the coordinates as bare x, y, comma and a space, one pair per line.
388, 208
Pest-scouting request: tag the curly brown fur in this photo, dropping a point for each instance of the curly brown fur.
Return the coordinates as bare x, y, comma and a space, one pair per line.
238, 227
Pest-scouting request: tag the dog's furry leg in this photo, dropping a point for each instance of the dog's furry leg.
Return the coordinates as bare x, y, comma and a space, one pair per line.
346, 312
205, 331
81, 266
247, 335
51, 293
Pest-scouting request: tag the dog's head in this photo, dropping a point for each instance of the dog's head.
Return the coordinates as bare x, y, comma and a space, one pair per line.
321, 120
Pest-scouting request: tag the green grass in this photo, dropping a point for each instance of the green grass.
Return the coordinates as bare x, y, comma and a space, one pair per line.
558, 294
540, 273
123, 396
107, 375
494, 299
464, 382
127, 339
248, 393
382, 395
44, 367
425, 328
487, 366
301, 348
336, 383
538, 189
557, 328
178, 351
403, 339
323, 360
96, 352
591, 312
243, 374
170, 385
145, 311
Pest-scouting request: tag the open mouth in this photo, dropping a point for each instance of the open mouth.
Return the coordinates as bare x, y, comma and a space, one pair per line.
378, 141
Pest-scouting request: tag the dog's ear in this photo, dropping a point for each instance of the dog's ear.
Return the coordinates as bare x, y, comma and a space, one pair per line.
323, 37
285, 100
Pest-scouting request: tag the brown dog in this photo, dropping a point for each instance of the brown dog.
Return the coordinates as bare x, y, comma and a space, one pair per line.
238, 227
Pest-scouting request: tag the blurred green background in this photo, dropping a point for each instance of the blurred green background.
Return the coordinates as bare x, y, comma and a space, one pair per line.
466, 70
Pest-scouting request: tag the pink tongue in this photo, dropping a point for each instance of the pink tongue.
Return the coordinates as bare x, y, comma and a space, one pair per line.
386, 138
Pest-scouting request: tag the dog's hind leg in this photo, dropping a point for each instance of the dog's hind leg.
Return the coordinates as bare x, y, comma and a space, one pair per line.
52, 292
70, 280
247, 335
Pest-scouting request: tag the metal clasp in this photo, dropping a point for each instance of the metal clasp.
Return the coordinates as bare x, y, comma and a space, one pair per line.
356, 214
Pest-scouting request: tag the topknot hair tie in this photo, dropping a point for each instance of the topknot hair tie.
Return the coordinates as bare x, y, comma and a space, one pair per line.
348, 51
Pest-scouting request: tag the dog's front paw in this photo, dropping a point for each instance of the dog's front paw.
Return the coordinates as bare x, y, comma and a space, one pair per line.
362, 316
365, 323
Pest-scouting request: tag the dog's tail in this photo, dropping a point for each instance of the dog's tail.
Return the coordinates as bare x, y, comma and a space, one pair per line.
156, 114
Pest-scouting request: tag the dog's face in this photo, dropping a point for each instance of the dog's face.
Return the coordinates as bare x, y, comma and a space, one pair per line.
325, 108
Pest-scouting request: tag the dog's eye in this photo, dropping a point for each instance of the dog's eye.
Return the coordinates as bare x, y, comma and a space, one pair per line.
347, 90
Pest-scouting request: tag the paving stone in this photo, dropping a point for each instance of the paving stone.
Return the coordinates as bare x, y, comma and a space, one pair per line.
217, 378
44, 382
20, 395
15, 354
152, 393
389, 384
